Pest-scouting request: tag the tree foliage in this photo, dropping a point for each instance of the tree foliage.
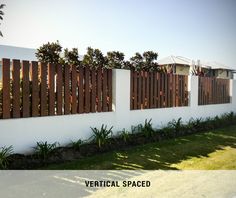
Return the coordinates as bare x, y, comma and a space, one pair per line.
115, 59
49, 53
94, 58
1, 15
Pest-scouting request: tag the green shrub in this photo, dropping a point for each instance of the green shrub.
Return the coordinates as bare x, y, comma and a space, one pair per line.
125, 135
177, 125
77, 144
5, 152
44, 149
101, 136
147, 129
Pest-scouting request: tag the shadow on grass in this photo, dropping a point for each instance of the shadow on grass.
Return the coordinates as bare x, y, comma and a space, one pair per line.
160, 155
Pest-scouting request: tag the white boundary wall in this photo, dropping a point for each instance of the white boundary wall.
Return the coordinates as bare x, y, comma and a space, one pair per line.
23, 133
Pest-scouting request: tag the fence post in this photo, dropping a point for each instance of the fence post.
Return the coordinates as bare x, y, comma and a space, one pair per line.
193, 88
121, 96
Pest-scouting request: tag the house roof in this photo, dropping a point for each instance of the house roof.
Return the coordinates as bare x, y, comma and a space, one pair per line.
174, 60
216, 65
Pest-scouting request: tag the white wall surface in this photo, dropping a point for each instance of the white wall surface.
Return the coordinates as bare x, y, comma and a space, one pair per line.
25, 132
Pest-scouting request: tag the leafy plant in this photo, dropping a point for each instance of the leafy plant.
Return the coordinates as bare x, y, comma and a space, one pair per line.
5, 152
125, 135
94, 58
177, 125
49, 53
1, 14
77, 144
71, 57
147, 129
101, 136
44, 149
115, 59
136, 129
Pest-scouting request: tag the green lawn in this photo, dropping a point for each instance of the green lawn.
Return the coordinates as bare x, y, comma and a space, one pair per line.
203, 151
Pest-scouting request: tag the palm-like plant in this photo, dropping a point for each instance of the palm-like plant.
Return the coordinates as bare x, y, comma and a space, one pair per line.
1, 14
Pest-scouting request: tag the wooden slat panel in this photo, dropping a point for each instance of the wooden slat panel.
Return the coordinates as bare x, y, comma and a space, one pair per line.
104, 90
147, 90
131, 89
93, 90
151, 90
25, 90
43, 92
143, 90
87, 90
59, 84
139, 89
135, 90
186, 90
162, 81
51, 89
16, 88
73, 89
35, 89
158, 90
155, 90
173, 90
177, 90
170, 90
67, 104
81, 90
109, 89
6, 88
99, 89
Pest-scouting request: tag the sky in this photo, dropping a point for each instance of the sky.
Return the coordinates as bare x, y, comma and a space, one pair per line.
197, 29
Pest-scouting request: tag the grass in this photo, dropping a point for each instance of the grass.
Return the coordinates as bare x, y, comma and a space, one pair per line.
204, 151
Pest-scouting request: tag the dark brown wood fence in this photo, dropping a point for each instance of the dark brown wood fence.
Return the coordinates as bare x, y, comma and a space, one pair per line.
158, 90
32, 89
213, 91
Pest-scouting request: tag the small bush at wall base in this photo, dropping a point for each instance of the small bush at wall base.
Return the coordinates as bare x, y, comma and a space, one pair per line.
44, 149
5, 152
101, 136
125, 135
76, 144
147, 129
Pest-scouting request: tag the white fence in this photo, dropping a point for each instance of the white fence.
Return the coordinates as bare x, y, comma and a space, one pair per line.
23, 133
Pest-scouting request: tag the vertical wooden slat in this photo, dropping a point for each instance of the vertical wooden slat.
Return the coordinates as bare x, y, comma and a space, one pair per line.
139, 99
73, 89
170, 90
43, 89
87, 90
155, 90
35, 89
16, 88
166, 90
151, 90
186, 90
25, 90
177, 90
59, 85
67, 105
6, 88
143, 90
159, 90
99, 89
147, 90
104, 90
51, 89
93, 91
135, 89
110, 89
131, 89
173, 90
81, 90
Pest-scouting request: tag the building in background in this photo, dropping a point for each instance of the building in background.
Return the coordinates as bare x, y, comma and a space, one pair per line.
13, 52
